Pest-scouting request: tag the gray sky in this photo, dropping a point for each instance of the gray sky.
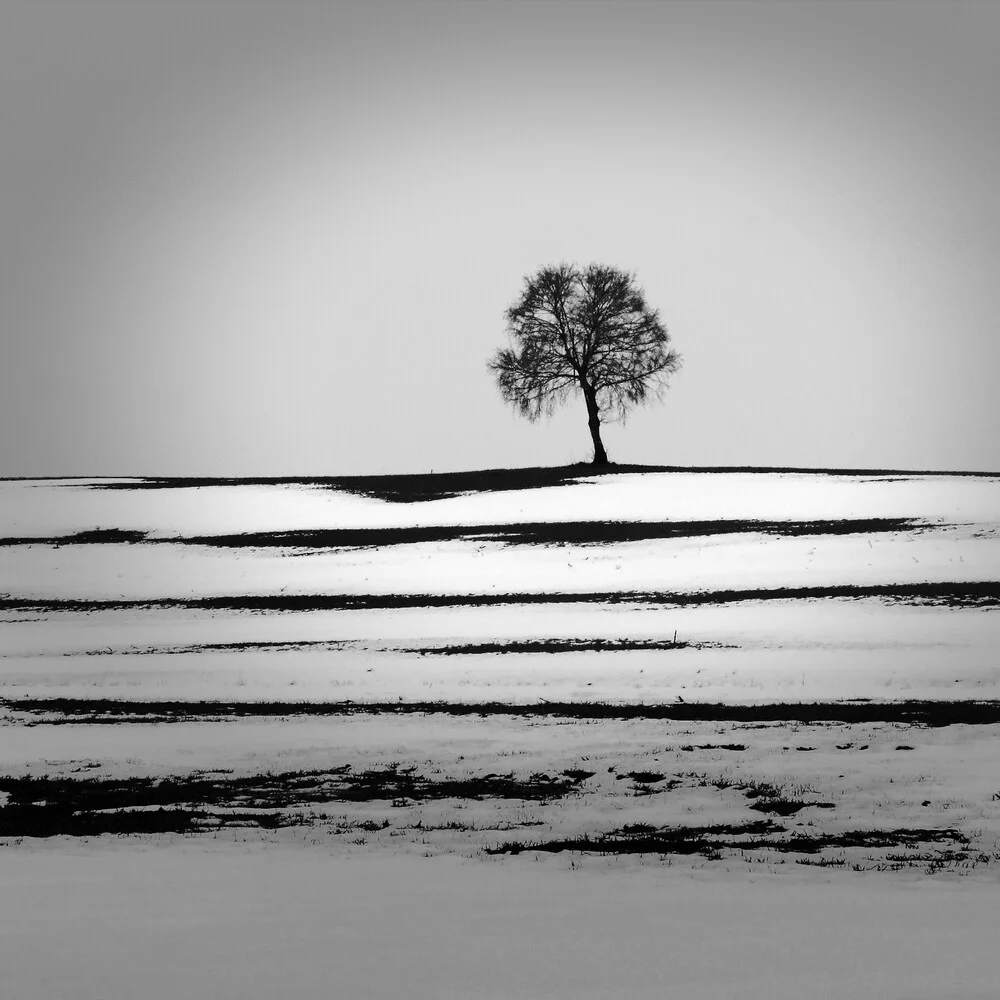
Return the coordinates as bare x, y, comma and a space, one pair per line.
279, 238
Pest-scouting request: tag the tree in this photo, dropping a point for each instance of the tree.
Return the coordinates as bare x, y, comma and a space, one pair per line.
588, 331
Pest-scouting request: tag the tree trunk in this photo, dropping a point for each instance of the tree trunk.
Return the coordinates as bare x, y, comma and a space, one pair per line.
594, 422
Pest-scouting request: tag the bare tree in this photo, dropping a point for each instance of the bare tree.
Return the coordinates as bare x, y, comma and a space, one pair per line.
587, 331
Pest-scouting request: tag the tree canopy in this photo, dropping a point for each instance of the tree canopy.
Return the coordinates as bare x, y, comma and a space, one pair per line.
587, 330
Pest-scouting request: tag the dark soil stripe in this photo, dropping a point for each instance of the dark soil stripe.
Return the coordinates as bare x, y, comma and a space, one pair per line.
547, 533
472, 649
952, 594
925, 713
710, 840
541, 533
45, 807
556, 646
435, 486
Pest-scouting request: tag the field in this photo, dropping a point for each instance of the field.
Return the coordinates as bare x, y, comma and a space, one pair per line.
542, 733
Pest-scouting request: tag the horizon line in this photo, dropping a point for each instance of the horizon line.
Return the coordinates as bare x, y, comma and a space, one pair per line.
583, 470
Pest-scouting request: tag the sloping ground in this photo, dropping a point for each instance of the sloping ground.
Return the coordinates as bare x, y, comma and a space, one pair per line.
40, 508
727, 668
714, 586
724, 789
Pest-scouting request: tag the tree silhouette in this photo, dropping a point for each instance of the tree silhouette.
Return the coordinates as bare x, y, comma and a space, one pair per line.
587, 331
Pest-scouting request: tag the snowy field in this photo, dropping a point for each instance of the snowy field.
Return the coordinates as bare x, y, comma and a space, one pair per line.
558, 742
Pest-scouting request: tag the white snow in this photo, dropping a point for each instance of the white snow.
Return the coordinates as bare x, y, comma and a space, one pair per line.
41, 508
308, 912
793, 650
718, 562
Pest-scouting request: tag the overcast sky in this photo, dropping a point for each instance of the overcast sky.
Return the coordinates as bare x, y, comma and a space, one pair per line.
278, 238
